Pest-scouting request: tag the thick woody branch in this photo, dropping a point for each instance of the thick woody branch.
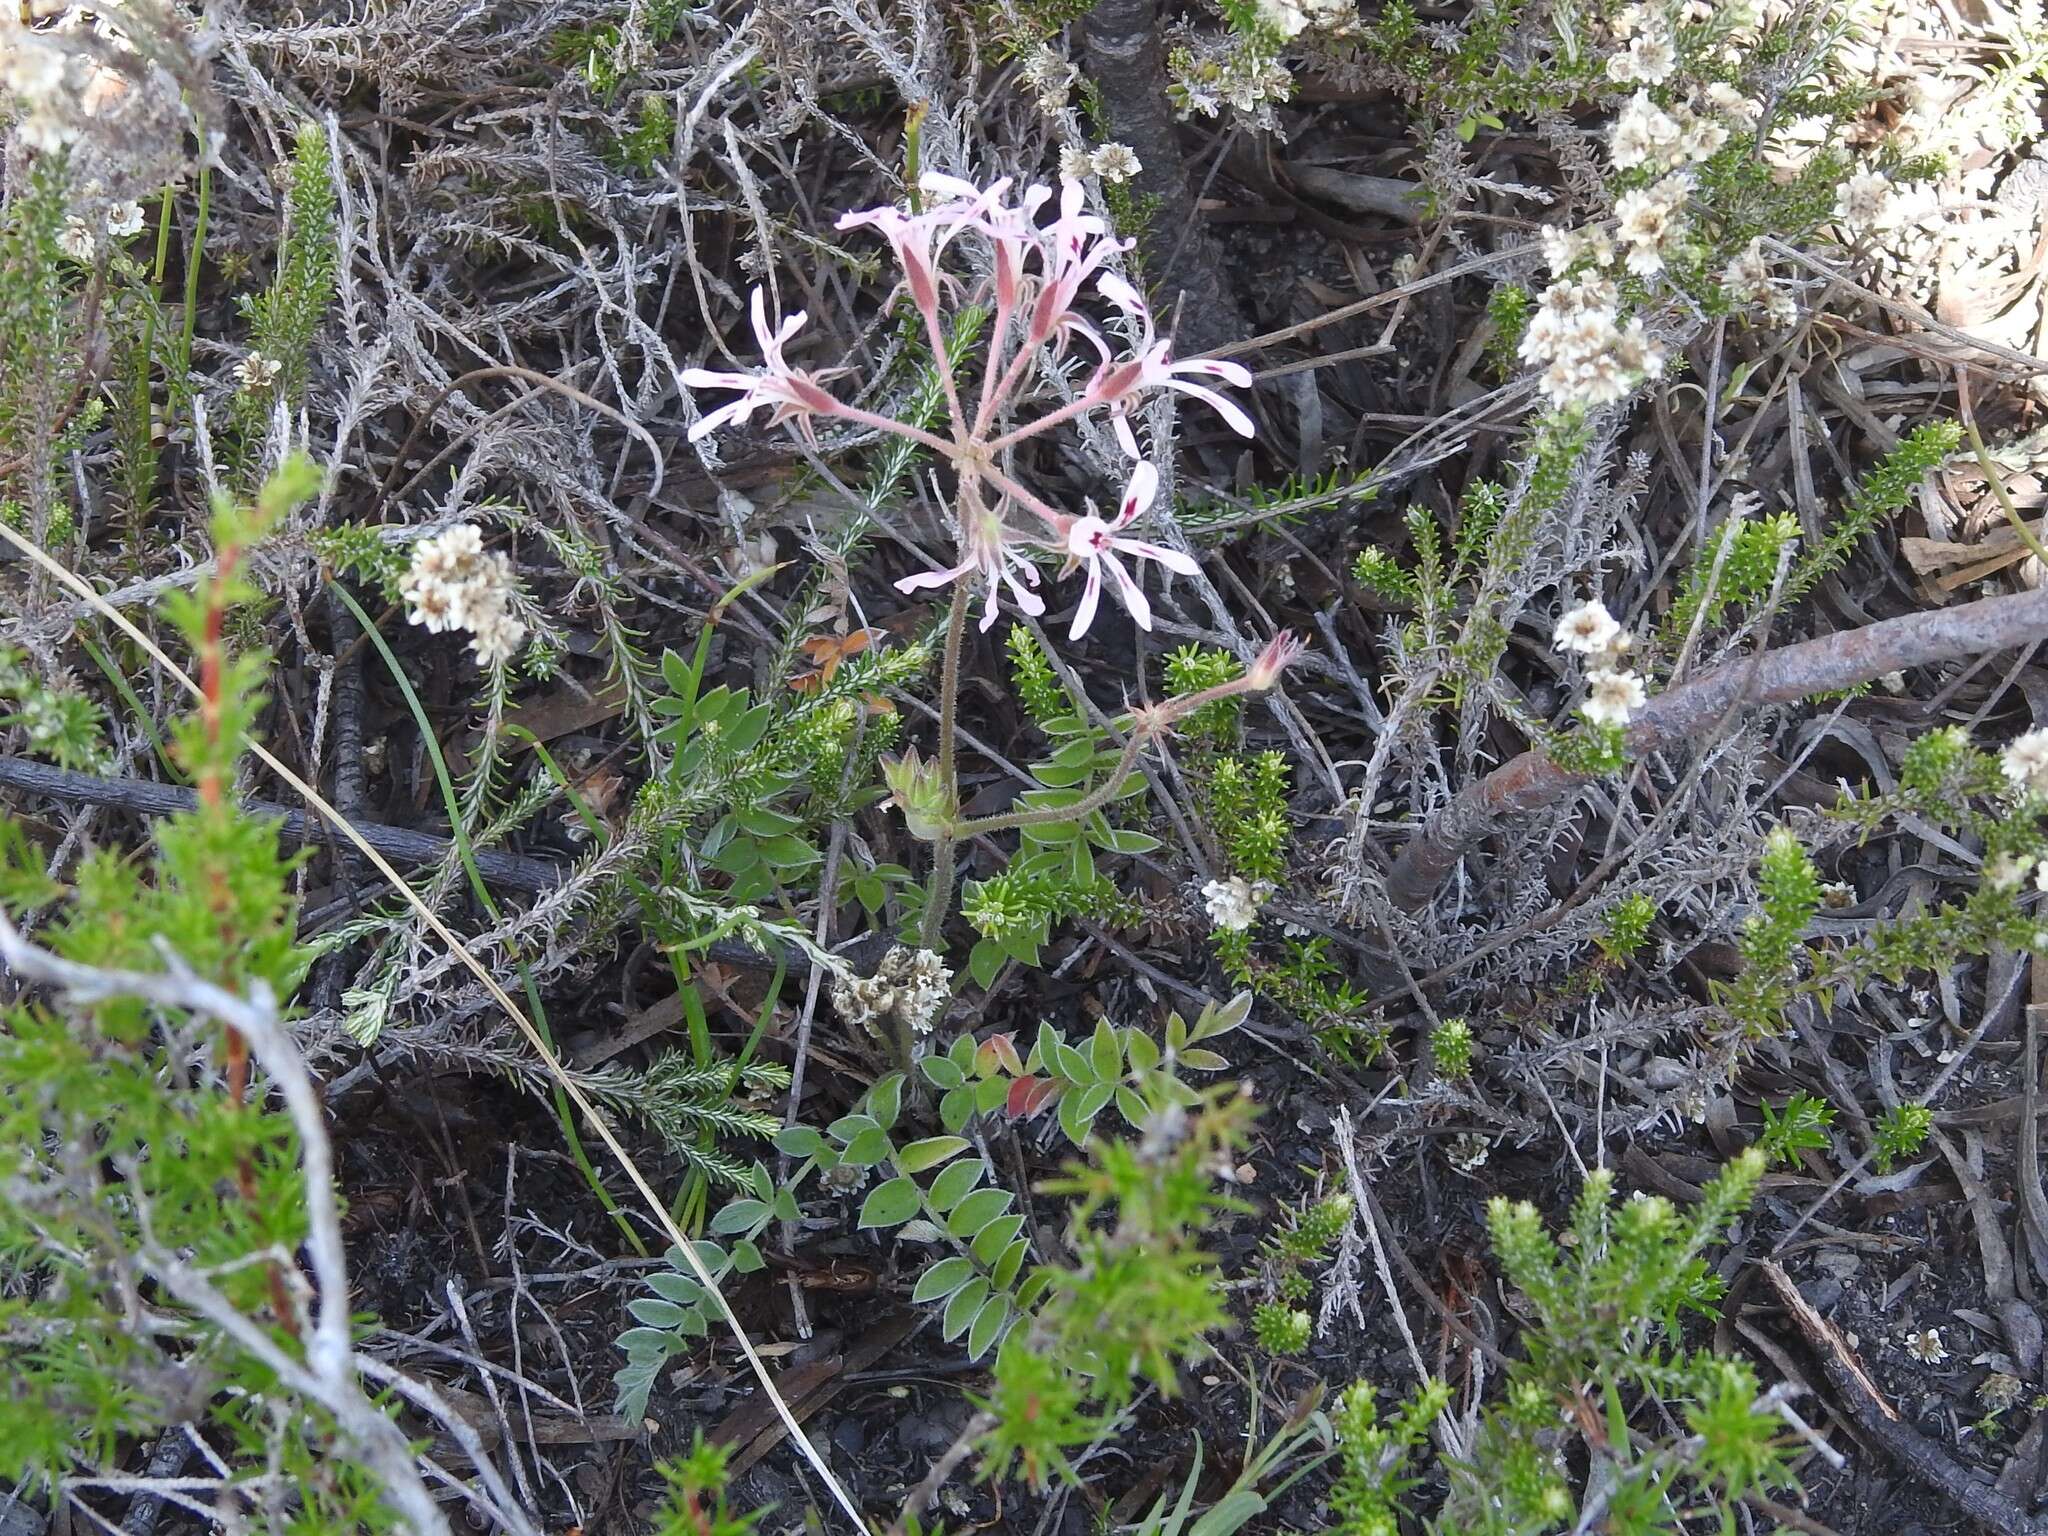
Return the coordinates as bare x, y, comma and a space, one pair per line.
1532, 781
1127, 64
516, 871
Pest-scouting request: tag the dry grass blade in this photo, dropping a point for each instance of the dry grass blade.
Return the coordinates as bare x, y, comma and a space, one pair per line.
589, 1110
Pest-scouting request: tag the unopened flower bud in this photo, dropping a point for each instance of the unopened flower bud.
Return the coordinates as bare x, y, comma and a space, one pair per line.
916, 789
1280, 653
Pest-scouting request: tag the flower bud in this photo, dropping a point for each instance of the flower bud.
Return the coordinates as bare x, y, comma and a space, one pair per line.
915, 787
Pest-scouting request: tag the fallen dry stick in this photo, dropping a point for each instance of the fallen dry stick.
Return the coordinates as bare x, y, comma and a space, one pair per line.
1879, 1421
1532, 781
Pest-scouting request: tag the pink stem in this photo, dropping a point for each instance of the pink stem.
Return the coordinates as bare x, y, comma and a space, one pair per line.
944, 364
1057, 521
1026, 350
900, 428
988, 372
1050, 419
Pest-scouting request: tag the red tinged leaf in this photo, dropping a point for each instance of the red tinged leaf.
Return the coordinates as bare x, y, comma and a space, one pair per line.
1028, 1095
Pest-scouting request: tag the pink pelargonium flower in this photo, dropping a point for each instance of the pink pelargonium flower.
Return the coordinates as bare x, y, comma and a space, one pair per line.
1071, 248
986, 549
1153, 368
788, 394
918, 239
1094, 543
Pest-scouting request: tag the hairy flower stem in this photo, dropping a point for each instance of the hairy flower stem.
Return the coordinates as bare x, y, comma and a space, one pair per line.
940, 896
1087, 805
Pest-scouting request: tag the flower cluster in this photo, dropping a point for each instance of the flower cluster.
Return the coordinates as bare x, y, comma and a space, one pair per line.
1864, 203
1232, 904
1114, 163
453, 584
80, 240
1747, 280
1039, 271
36, 71
1650, 220
58, 88
910, 988
1587, 356
2025, 761
1647, 135
256, 373
1207, 73
2009, 871
1615, 693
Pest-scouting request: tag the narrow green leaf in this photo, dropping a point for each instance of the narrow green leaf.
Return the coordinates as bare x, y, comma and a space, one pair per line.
929, 1153
942, 1279
966, 1302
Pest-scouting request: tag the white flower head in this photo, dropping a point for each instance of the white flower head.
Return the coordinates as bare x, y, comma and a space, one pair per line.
1924, 1345
125, 220
257, 373
2007, 871
1728, 102
1649, 59
76, 240
1650, 220
1232, 904
1644, 133
1864, 202
1588, 628
452, 584
2025, 761
1615, 696
495, 637
1074, 162
1115, 163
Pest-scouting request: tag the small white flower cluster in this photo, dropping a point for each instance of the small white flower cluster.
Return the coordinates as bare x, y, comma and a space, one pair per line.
1863, 204
36, 71
2025, 761
1291, 18
1616, 692
256, 373
1645, 134
1924, 1345
1587, 356
1112, 162
1564, 248
1747, 278
1207, 74
909, 988
1651, 219
453, 584
80, 240
1649, 59
2009, 871
1232, 904
1050, 77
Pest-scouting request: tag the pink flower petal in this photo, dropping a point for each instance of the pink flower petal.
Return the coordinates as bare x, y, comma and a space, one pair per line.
1231, 412
1134, 599
1138, 493
1172, 559
1091, 596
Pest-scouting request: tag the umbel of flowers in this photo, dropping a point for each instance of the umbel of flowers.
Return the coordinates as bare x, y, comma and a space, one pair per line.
1040, 273
1048, 257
